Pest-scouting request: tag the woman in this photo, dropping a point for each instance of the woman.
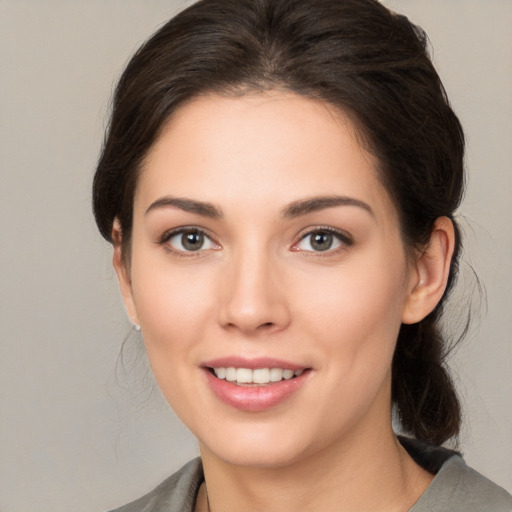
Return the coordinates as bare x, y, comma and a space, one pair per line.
279, 183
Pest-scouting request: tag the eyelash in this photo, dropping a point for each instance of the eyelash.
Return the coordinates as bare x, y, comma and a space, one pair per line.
168, 235
343, 238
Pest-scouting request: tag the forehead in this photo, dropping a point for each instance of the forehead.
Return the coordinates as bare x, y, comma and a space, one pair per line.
265, 149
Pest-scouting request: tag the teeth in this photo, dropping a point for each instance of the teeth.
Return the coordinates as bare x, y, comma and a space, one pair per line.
287, 374
258, 376
276, 374
244, 376
261, 376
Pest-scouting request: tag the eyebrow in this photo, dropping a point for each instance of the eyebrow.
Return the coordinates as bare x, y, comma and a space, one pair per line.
187, 205
293, 210
314, 204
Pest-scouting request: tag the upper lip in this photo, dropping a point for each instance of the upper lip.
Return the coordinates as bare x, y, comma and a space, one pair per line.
252, 363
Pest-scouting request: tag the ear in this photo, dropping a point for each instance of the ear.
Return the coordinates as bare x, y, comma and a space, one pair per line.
123, 273
430, 273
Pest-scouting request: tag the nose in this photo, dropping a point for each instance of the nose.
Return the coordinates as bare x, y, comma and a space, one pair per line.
252, 297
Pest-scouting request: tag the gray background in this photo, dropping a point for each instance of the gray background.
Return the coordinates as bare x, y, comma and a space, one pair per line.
76, 434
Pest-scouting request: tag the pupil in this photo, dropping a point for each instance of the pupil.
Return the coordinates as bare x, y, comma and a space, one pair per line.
192, 241
321, 241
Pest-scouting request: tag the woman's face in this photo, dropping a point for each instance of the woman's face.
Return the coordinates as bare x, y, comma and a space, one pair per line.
264, 241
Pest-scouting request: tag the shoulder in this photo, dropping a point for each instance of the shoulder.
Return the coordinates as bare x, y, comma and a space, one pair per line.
456, 487
175, 494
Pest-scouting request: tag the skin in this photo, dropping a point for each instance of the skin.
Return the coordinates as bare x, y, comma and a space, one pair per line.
257, 288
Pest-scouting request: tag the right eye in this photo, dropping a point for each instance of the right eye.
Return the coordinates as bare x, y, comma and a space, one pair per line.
189, 240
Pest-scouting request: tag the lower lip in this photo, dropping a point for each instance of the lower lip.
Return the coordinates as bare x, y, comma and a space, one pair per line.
254, 398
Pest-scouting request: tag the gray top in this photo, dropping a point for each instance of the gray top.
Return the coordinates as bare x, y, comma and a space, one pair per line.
455, 488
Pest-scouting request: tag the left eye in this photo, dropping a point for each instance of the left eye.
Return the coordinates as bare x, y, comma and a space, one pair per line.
190, 241
320, 241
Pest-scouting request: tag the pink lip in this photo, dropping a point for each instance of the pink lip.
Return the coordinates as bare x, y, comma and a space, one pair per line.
254, 398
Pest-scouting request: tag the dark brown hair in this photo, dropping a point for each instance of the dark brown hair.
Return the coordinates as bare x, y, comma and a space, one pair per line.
354, 54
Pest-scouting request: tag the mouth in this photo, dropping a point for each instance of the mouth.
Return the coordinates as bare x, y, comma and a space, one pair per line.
255, 377
259, 371
255, 385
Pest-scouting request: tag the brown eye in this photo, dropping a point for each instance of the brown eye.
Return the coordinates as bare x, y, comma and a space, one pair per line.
190, 240
322, 240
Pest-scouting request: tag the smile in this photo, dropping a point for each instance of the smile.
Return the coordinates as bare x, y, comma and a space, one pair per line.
254, 385
259, 376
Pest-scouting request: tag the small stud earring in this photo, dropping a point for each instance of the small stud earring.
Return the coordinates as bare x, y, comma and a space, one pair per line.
136, 327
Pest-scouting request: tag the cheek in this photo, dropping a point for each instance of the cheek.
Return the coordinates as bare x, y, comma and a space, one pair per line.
175, 308
363, 290
173, 303
353, 318
355, 312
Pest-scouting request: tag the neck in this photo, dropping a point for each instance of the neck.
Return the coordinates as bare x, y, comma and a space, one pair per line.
364, 472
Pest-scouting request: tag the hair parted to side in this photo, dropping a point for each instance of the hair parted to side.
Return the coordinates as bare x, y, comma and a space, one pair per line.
356, 55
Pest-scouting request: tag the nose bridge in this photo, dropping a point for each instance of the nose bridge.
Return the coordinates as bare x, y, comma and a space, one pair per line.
252, 298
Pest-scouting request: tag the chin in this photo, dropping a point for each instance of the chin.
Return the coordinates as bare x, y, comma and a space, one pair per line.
259, 446
258, 457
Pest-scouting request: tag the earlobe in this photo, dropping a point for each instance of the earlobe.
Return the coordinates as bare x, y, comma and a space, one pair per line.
123, 273
432, 269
